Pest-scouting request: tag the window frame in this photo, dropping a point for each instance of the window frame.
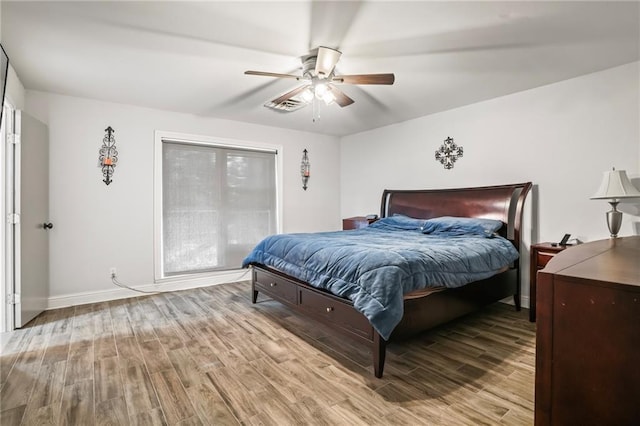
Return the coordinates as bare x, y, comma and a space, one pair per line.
161, 137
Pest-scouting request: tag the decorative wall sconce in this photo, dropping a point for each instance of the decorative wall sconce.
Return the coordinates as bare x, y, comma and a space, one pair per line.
108, 155
305, 169
448, 153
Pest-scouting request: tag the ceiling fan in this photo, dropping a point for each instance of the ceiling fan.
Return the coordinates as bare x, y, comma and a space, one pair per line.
318, 74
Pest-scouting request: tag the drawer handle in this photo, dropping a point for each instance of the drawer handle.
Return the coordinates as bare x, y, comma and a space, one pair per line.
273, 284
329, 309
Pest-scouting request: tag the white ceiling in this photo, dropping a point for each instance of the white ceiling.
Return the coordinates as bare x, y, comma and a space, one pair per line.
190, 56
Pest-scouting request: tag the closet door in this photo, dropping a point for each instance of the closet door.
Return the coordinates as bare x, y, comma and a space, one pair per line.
31, 206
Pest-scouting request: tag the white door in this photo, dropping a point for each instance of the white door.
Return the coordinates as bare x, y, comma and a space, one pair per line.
31, 219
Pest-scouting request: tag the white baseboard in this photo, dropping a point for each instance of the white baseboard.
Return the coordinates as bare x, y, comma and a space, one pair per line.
122, 293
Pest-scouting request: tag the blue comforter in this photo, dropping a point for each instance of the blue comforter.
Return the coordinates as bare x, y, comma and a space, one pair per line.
375, 266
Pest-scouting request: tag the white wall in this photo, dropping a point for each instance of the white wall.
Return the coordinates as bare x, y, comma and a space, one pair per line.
99, 226
561, 137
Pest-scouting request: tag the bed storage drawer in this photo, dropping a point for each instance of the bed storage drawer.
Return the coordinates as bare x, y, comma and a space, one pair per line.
334, 311
275, 286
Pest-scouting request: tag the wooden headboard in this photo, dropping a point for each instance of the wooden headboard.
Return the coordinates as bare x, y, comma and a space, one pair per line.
503, 202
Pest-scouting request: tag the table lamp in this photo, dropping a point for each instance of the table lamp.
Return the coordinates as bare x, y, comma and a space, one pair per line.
615, 185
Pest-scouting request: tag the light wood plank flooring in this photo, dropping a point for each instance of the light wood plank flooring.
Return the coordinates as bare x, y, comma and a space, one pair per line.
208, 356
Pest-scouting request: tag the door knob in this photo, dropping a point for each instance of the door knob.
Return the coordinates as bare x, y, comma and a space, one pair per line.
47, 225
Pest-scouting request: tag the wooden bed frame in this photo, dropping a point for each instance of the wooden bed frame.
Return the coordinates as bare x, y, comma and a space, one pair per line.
504, 202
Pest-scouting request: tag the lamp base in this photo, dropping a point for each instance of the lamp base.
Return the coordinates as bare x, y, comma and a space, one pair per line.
614, 219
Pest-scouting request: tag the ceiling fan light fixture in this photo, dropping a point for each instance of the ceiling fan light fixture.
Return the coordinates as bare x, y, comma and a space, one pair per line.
307, 95
320, 90
328, 97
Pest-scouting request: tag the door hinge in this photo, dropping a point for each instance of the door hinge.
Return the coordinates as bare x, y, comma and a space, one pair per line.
13, 218
13, 299
13, 138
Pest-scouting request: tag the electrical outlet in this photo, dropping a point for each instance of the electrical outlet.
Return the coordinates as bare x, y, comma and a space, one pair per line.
112, 272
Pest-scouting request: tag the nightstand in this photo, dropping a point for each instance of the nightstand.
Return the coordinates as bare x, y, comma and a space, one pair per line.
356, 222
541, 254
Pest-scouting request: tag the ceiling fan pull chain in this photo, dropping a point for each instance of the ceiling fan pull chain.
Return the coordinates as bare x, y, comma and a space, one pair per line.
315, 110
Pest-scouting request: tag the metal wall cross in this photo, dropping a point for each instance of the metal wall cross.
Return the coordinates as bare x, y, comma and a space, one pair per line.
448, 153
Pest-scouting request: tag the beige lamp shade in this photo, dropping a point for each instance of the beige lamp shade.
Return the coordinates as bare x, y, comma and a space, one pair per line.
615, 185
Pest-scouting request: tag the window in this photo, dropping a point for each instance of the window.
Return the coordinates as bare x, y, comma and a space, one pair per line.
217, 201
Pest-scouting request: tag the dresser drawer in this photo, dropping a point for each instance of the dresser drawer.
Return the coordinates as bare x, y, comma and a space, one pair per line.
277, 287
541, 254
335, 312
544, 258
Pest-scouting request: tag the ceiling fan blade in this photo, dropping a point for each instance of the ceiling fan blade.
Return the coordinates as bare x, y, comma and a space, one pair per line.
326, 61
273, 74
365, 79
289, 95
341, 99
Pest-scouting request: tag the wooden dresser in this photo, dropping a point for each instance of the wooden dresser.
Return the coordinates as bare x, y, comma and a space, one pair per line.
588, 335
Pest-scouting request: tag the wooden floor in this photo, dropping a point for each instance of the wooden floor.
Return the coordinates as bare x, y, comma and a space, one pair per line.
208, 356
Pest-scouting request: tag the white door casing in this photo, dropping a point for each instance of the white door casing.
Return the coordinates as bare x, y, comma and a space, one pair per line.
8, 138
4, 163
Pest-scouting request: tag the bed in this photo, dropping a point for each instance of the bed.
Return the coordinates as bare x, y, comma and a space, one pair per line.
413, 302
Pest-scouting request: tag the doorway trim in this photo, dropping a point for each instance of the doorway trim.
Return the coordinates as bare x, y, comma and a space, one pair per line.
9, 154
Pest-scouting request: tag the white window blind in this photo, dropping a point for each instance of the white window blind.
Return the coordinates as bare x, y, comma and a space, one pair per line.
217, 204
